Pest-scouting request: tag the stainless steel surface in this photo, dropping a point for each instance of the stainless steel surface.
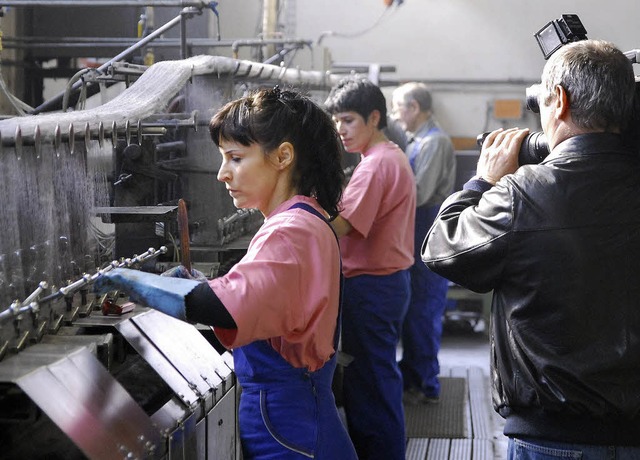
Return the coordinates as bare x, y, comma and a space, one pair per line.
183, 389
84, 400
221, 428
170, 337
178, 340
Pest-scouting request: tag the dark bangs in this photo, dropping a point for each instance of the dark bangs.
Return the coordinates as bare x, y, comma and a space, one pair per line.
233, 122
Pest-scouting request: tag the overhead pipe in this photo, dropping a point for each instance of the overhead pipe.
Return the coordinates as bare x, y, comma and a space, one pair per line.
253, 42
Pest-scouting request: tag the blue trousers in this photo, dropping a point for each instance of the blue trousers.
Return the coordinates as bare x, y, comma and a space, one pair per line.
422, 329
548, 450
373, 311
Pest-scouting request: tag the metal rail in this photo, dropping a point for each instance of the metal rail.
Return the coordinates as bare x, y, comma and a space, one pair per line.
32, 303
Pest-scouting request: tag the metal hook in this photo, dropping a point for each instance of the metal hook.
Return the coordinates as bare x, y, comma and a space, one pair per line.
139, 129
19, 142
127, 132
282, 72
101, 134
72, 139
57, 139
114, 134
194, 114
37, 138
87, 136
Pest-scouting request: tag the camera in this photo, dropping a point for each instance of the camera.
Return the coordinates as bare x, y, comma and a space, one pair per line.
559, 32
555, 34
550, 38
533, 150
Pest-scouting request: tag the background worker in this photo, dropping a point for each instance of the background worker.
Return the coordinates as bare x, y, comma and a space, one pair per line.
376, 227
432, 160
559, 244
278, 307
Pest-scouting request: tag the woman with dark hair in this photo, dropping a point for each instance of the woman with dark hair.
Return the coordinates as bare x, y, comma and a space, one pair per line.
278, 309
375, 226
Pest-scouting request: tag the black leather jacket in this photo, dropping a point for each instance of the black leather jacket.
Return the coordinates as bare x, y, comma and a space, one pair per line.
559, 245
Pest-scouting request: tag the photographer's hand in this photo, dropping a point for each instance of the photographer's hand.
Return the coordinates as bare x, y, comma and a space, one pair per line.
499, 155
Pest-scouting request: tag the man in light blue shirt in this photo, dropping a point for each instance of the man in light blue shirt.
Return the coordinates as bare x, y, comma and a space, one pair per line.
432, 159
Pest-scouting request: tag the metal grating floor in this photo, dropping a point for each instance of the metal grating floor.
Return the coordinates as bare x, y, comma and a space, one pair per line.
447, 419
479, 430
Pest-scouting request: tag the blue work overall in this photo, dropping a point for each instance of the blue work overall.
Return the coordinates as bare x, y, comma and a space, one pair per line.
422, 329
287, 412
374, 308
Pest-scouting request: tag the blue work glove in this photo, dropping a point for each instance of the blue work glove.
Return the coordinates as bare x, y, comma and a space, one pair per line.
180, 271
153, 291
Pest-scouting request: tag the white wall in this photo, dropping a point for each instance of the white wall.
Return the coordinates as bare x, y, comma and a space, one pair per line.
470, 51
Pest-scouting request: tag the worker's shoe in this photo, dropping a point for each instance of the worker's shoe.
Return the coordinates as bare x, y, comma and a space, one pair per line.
414, 397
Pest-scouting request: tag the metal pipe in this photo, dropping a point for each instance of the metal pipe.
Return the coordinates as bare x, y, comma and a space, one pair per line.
90, 279
140, 44
268, 41
183, 38
35, 42
35, 294
156, 126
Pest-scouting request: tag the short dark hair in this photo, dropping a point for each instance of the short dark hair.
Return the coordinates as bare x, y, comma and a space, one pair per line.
599, 82
360, 95
269, 117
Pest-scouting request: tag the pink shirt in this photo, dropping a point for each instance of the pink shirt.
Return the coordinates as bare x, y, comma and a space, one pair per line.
286, 288
380, 204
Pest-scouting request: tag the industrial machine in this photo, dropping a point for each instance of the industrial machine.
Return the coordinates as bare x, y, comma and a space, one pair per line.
85, 190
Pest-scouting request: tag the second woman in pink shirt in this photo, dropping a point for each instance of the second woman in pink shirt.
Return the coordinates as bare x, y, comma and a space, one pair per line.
376, 225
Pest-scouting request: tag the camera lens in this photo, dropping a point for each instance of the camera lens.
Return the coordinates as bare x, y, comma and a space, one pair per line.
533, 150
533, 92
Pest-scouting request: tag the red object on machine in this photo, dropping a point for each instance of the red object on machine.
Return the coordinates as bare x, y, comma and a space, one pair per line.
183, 228
110, 307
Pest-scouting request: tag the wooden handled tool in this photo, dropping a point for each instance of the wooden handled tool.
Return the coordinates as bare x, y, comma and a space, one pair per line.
183, 228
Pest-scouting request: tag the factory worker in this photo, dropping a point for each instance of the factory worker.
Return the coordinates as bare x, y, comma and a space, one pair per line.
278, 309
376, 225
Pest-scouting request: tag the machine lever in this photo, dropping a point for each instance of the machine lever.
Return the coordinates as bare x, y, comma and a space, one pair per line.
183, 228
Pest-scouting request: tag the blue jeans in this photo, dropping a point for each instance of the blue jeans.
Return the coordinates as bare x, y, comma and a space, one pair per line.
534, 449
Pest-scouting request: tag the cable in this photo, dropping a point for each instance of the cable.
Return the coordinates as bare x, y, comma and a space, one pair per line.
331, 33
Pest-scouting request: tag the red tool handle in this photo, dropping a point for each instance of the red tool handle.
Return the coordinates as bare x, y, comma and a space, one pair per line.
183, 228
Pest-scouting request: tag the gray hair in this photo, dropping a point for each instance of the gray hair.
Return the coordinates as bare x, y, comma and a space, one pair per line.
418, 92
599, 81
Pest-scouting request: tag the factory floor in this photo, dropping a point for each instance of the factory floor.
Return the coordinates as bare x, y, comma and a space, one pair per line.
464, 354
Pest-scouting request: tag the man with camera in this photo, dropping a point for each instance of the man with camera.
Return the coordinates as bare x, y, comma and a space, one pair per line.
559, 244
